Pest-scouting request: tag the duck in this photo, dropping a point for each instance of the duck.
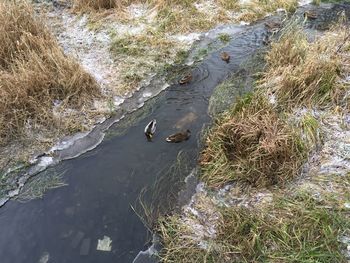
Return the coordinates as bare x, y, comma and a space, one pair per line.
185, 79
266, 41
272, 25
310, 15
225, 56
179, 137
150, 129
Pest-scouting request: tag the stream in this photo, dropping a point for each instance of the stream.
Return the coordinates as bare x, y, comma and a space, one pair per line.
103, 184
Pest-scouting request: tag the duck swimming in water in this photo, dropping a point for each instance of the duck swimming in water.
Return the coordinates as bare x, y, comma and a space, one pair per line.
310, 15
225, 57
150, 129
185, 79
179, 137
273, 25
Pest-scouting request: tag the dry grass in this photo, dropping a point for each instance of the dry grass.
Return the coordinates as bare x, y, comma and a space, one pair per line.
180, 20
87, 5
188, 15
257, 9
159, 4
302, 73
172, 16
178, 246
34, 73
252, 144
139, 56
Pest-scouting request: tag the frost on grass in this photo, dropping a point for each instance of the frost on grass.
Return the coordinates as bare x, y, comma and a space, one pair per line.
328, 169
35, 73
307, 219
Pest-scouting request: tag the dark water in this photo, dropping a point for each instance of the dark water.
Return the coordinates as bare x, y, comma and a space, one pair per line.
104, 183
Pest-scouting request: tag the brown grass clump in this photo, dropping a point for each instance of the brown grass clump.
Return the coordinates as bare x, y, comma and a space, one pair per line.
302, 73
85, 5
34, 73
252, 144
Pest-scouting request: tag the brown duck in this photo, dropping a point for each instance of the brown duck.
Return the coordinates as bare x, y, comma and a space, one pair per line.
272, 25
310, 15
179, 137
225, 57
185, 79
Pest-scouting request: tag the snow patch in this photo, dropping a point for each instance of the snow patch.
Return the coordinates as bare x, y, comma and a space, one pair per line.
45, 161
118, 100
67, 142
188, 39
137, 10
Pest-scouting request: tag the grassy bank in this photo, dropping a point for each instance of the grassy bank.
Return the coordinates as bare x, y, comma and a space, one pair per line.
158, 33
259, 205
35, 75
189, 15
295, 229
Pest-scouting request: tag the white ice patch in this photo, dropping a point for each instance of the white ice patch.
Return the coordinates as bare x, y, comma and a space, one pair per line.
304, 2
147, 94
243, 23
45, 161
67, 142
118, 101
104, 244
188, 39
272, 99
281, 10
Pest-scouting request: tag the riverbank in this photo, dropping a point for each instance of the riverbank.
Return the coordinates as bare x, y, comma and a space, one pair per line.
122, 49
274, 170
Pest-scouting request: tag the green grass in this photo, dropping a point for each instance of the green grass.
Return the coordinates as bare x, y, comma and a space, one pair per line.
297, 229
311, 130
224, 38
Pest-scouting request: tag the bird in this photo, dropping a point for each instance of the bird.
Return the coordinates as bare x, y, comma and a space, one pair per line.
150, 129
185, 79
272, 25
179, 137
310, 15
266, 40
225, 56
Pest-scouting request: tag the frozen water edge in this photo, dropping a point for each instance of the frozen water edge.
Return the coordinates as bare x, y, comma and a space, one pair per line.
73, 146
